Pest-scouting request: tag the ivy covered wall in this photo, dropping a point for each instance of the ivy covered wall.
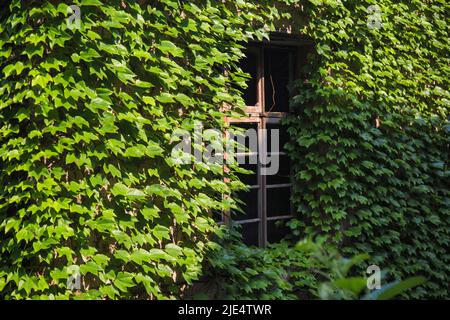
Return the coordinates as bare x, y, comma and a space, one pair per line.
371, 134
86, 116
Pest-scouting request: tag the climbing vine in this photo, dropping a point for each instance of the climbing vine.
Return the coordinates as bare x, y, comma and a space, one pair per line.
371, 132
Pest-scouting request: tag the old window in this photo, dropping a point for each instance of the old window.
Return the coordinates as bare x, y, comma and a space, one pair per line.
271, 68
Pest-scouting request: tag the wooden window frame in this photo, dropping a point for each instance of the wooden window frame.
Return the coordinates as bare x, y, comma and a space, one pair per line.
257, 114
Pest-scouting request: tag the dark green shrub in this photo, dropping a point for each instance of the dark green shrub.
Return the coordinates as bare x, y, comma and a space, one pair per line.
371, 135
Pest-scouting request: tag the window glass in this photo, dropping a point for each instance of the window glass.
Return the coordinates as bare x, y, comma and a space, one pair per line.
283, 136
249, 179
250, 232
249, 205
278, 201
284, 172
268, 198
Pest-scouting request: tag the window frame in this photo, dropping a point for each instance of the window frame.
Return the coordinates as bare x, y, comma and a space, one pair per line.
257, 114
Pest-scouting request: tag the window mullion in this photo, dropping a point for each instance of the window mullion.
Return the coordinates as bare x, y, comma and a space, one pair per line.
262, 147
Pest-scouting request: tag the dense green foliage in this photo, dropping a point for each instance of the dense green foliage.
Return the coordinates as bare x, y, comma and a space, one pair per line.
371, 135
87, 183
86, 116
310, 269
340, 282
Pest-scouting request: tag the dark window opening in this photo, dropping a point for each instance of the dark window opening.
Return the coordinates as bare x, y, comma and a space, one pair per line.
266, 205
283, 136
278, 201
249, 205
250, 179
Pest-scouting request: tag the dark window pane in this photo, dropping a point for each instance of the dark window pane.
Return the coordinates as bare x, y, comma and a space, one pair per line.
278, 67
277, 230
249, 206
283, 136
284, 172
278, 202
249, 65
246, 134
250, 233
